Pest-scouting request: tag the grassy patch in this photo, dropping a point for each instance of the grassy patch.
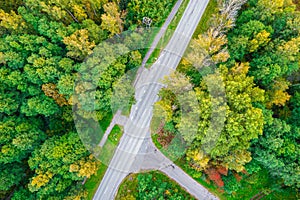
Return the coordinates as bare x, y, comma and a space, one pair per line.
247, 188
92, 183
204, 23
108, 150
260, 183
154, 139
168, 34
130, 186
115, 135
104, 123
106, 154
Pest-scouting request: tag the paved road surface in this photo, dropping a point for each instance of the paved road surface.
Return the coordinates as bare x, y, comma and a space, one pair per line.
154, 159
162, 31
129, 156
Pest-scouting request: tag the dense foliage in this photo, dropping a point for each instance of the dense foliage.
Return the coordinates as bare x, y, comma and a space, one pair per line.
257, 64
42, 46
271, 33
152, 185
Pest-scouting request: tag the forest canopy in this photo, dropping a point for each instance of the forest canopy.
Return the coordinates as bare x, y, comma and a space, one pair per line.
253, 45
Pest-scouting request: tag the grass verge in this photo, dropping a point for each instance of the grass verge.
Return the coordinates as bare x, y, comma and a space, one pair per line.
107, 152
204, 23
92, 183
104, 123
168, 34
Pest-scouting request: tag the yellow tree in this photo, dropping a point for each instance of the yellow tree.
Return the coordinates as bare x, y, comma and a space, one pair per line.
243, 122
112, 19
206, 48
12, 21
40, 180
85, 167
260, 39
78, 44
277, 94
51, 91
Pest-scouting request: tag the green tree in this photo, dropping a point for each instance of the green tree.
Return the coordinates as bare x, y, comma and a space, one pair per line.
228, 145
41, 104
18, 138
10, 175
56, 165
278, 151
78, 44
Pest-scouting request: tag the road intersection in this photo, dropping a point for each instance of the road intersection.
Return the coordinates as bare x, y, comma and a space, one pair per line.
136, 151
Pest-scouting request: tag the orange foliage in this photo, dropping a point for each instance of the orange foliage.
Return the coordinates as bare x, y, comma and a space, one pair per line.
222, 170
164, 138
215, 176
51, 91
237, 177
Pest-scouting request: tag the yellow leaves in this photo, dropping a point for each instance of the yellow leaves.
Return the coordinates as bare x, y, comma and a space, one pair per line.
236, 160
51, 91
11, 21
79, 12
163, 110
294, 23
178, 83
205, 46
85, 167
167, 192
111, 8
290, 49
128, 197
55, 11
261, 39
111, 19
40, 180
5, 149
79, 45
271, 6
67, 10
282, 97
74, 168
278, 95
240, 68
2, 58
199, 159
215, 42
221, 57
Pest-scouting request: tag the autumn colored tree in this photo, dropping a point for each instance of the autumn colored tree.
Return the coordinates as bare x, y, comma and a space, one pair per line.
79, 45
60, 161
112, 19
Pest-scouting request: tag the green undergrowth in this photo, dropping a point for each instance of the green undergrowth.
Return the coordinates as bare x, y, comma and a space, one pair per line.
204, 23
151, 185
259, 184
92, 183
104, 123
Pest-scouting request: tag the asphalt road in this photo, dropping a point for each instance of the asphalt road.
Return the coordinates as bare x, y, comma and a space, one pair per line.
162, 31
128, 155
154, 159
